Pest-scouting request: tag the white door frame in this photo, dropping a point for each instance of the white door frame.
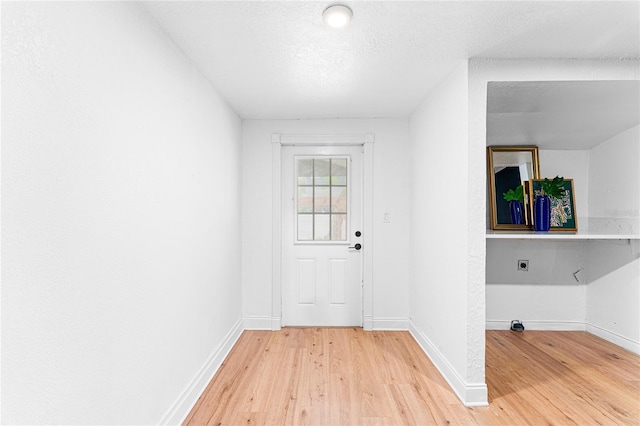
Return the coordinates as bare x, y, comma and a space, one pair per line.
366, 141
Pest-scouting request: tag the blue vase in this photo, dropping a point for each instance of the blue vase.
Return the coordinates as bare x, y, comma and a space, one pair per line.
515, 208
542, 213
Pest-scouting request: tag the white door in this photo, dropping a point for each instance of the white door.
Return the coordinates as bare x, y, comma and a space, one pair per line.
321, 236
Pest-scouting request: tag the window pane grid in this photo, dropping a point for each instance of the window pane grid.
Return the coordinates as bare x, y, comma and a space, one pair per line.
322, 199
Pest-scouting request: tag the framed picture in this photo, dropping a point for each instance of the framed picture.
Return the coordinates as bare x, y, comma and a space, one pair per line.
563, 209
508, 167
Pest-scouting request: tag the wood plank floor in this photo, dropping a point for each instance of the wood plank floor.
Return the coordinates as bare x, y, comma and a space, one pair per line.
345, 376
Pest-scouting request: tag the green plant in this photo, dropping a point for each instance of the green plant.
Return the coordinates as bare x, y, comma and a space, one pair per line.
515, 195
553, 187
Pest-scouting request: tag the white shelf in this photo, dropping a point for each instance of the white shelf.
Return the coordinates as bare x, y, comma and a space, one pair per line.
588, 229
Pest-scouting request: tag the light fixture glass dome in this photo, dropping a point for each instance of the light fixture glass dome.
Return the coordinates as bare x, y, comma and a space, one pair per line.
337, 16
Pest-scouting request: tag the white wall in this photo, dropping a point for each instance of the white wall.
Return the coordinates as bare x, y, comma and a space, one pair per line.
570, 164
613, 292
547, 296
391, 194
442, 309
120, 219
614, 176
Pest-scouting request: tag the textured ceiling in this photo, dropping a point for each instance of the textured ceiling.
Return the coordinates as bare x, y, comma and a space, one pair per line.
272, 59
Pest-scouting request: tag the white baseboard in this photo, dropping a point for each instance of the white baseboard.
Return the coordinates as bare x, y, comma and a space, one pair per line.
605, 334
614, 338
370, 323
537, 325
185, 402
276, 324
390, 324
258, 323
367, 323
471, 394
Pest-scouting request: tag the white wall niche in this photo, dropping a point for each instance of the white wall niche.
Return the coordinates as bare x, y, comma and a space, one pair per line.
603, 253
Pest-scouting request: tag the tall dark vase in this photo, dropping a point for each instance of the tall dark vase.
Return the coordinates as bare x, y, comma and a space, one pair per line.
515, 208
542, 213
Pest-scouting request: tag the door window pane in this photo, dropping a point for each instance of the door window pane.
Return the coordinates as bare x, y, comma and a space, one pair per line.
339, 171
338, 199
305, 227
305, 199
339, 227
305, 171
322, 198
321, 227
321, 171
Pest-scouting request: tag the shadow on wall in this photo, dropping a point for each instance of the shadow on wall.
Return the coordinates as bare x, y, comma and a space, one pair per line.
608, 256
550, 262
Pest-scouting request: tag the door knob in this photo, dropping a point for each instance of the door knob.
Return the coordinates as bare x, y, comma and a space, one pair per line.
357, 246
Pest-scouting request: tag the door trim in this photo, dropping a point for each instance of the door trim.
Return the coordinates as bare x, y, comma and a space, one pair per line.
277, 142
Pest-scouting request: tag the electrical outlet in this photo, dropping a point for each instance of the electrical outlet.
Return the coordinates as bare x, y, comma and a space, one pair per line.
523, 265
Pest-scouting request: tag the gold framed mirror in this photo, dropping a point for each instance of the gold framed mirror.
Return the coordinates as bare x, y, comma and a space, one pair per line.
507, 168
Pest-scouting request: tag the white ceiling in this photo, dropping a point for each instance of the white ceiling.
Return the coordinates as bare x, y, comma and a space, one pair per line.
560, 114
275, 59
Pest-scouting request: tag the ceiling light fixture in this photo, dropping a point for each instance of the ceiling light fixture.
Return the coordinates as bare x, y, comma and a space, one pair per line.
337, 16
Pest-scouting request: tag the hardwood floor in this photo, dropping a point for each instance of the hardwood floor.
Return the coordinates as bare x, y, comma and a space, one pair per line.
345, 376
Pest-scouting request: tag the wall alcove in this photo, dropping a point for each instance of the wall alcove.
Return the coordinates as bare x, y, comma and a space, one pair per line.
587, 280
